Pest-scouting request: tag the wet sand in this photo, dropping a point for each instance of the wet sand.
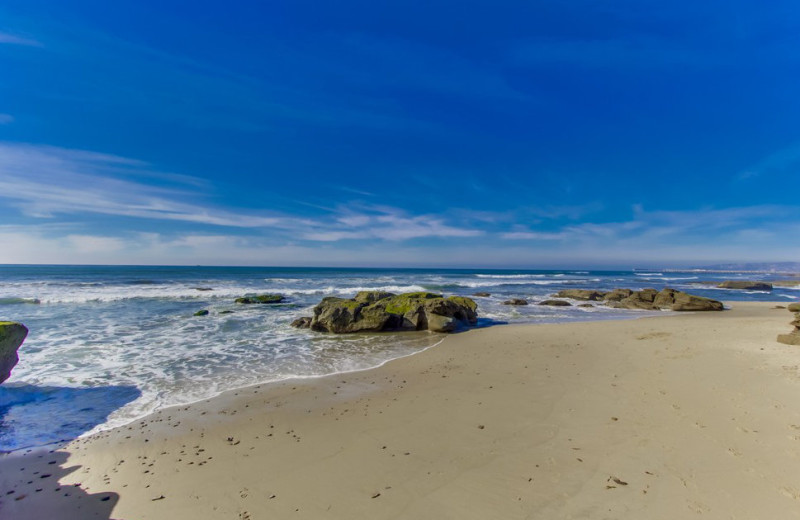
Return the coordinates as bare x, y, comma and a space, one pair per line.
667, 417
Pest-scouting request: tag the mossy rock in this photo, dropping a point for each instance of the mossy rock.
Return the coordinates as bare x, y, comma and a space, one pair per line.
261, 298
12, 334
201, 312
409, 311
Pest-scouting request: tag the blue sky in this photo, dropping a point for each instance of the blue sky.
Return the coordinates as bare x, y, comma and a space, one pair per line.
481, 134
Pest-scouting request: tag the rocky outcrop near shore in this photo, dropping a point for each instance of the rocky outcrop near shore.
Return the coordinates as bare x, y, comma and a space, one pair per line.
372, 311
12, 335
646, 299
792, 338
745, 285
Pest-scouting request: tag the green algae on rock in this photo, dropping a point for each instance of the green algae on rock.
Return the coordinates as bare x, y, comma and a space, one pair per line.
261, 298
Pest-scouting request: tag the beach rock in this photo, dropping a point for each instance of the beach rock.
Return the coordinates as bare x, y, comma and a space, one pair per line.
203, 289
794, 307
585, 305
12, 335
666, 299
638, 300
482, 294
675, 300
580, 294
390, 312
617, 295
796, 322
789, 339
261, 298
515, 301
201, 312
302, 323
226, 312
745, 285
555, 303
793, 338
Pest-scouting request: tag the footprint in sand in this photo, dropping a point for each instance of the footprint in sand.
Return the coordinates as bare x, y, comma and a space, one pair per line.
790, 492
654, 335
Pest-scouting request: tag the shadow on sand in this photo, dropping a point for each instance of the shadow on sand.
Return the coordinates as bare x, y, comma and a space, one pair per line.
32, 416
43, 415
30, 489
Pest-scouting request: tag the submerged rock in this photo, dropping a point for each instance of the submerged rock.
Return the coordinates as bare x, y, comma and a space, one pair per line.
580, 294
201, 312
555, 303
381, 312
515, 301
745, 285
12, 335
482, 294
302, 323
261, 298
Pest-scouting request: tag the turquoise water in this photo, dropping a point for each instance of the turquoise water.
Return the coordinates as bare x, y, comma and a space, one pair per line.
108, 345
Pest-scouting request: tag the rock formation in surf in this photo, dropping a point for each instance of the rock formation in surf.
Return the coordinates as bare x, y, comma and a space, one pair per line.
373, 311
12, 335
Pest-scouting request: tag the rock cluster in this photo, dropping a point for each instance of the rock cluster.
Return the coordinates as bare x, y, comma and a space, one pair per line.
793, 338
745, 285
12, 335
646, 299
373, 311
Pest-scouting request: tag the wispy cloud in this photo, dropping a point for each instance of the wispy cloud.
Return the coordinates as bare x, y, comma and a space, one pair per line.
6, 119
782, 162
45, 182
387, 223
13, 39
703, 227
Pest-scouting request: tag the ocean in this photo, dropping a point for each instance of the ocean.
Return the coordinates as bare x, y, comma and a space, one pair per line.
111, 344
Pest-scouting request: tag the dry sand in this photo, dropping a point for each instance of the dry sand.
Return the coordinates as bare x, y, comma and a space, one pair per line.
659, 418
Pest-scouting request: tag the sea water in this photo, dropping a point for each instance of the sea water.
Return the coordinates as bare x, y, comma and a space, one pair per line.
110, 344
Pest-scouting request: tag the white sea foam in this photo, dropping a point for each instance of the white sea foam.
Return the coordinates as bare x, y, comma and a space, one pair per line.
510, 276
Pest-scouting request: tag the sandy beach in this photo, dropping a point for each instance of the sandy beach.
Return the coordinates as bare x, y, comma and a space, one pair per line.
676, 416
